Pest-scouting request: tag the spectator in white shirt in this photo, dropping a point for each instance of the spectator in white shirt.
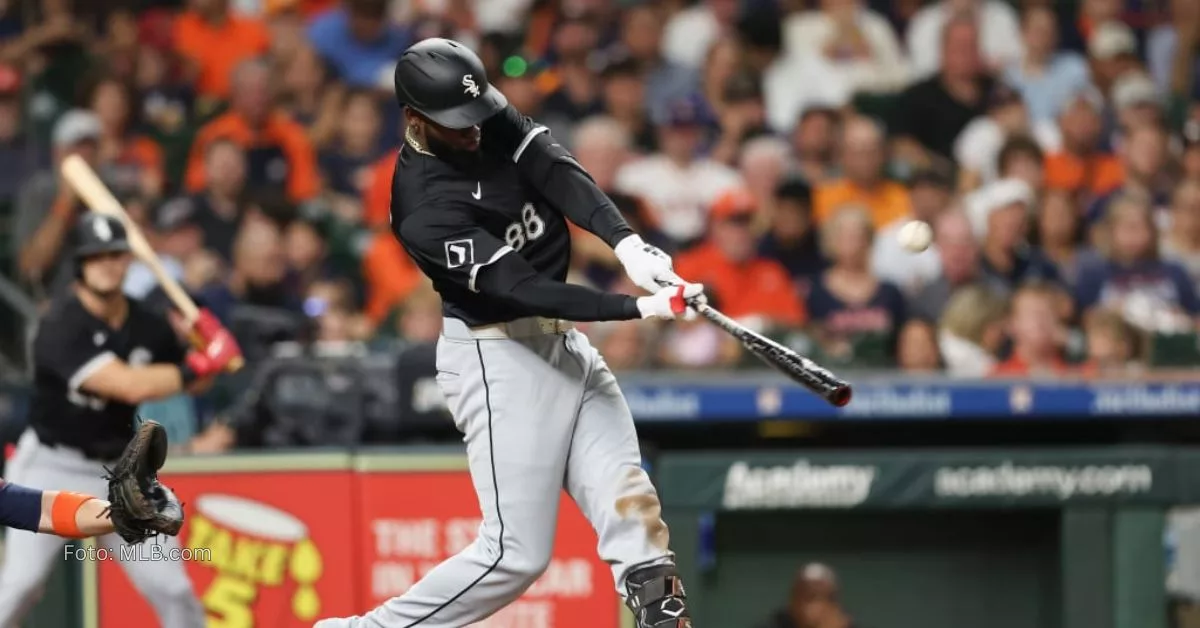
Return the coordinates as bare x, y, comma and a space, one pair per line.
977, 148
690, 32
858, 42
678, 185
1046, 78
763, 163
999, 33
793, 85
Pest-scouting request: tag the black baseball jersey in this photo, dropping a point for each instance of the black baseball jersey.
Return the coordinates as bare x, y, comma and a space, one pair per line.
72, 344
455, 223
489, 237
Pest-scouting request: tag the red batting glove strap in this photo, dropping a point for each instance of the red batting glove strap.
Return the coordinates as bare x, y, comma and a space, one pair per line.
207, 326
678, 303
215, 356
201, 365
222, 348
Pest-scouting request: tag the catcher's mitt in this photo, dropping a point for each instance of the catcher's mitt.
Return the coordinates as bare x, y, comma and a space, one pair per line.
140, 507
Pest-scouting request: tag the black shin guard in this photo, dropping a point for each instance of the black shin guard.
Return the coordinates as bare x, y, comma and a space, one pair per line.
656, 597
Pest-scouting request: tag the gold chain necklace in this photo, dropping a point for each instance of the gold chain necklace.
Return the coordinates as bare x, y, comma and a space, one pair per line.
414, 143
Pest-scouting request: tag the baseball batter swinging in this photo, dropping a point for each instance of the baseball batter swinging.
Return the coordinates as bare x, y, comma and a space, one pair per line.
480, 199
97, 355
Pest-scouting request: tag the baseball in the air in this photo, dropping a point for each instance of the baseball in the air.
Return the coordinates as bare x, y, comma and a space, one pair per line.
915, 236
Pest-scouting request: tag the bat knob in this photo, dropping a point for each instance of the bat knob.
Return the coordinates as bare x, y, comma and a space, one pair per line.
235, 365
840, 396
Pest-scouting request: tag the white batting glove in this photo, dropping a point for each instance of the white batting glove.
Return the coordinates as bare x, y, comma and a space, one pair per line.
671, 303
647, 265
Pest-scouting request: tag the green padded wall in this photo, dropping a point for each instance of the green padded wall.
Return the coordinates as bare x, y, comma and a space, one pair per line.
898, 570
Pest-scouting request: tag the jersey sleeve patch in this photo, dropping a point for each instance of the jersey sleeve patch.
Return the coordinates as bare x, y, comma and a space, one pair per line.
460, 253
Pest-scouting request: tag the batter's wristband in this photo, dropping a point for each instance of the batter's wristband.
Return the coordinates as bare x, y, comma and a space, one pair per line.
188, 374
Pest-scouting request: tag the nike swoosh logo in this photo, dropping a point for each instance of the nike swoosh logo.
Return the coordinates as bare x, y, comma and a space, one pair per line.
478, 193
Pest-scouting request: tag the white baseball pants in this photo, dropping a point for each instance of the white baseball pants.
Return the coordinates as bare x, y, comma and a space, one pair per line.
540, 411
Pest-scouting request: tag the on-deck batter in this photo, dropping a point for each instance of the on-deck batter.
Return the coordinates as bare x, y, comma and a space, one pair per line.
484, 216
97, 355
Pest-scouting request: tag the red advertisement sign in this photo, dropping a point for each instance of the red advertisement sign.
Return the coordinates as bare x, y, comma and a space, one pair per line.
414, 520
263, 549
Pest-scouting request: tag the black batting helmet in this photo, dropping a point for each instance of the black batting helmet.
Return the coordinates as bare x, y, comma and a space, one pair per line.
444, 81
99, 234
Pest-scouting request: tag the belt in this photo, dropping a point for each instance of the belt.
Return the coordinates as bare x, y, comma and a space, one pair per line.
520, 328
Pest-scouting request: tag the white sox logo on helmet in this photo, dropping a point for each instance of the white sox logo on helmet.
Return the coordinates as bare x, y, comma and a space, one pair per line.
101, 229
469, 86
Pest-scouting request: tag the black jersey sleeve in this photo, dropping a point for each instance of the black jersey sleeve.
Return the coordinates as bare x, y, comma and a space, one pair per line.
451, 248
65, 347
551, 169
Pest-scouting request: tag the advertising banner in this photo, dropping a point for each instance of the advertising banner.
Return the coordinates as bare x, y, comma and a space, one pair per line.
760, 396
935, 479
282, 541
262, 548
414, 520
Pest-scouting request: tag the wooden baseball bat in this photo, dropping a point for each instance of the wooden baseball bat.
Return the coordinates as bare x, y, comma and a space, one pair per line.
100, 199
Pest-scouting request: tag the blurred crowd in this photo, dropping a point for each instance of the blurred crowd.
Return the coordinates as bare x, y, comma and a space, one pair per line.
774, 147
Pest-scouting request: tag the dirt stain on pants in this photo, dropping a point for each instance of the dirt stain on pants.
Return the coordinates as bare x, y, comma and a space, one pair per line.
639, 499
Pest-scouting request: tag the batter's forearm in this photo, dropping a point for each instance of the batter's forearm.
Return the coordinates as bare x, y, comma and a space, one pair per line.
553, 299
541, 296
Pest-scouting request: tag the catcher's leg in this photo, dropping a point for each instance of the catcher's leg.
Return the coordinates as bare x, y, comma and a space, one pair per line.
606, 480
28, 560
163, 582
28, 556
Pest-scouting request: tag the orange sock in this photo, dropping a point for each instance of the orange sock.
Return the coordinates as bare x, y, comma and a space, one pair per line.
63, 513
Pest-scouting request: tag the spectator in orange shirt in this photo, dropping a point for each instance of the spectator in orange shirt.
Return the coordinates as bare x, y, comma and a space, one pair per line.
863, 153
132, 163
1145, 158
847, 301
215, 42
1037, 334
746, 285
278, 152
389, 276
377, 198
1081, 166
